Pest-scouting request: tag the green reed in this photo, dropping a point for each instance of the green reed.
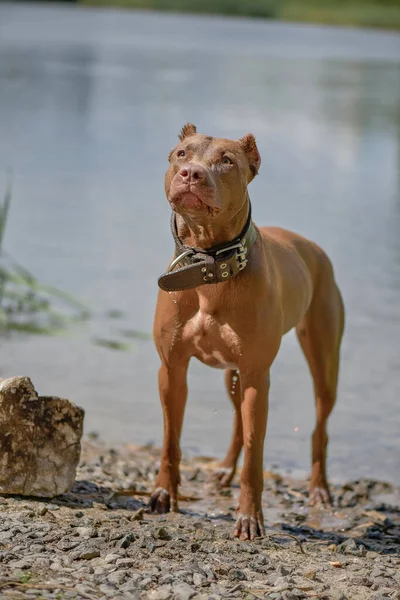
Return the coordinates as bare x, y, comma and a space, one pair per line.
26, 305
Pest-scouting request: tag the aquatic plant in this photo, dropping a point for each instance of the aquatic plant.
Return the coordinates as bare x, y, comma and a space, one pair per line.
26, 305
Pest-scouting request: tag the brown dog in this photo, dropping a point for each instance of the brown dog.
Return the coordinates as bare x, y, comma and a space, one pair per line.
234, 290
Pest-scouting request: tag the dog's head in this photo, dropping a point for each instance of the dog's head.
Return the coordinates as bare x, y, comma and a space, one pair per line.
210, 175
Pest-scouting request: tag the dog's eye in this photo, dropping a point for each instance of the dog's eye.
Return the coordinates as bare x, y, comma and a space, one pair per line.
181, 154
227, 161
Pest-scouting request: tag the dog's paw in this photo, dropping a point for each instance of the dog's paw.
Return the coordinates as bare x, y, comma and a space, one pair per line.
160, 501
222, 476
248, 527
319, 495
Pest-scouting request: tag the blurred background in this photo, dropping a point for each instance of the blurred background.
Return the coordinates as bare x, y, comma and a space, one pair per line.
91, 102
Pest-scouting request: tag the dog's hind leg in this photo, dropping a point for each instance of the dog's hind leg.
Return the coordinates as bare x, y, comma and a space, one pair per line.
227, 468
320, 333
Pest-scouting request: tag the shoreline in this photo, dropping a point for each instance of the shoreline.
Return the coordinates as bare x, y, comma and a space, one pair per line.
355, 14
99, 541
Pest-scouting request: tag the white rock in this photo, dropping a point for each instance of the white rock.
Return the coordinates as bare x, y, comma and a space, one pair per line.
164, 592
183, 591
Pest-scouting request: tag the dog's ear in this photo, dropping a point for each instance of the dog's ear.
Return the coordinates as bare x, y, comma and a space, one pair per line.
249, 147
187, 130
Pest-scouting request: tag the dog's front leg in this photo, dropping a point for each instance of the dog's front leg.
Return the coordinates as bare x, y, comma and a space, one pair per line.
254, 410
173, 394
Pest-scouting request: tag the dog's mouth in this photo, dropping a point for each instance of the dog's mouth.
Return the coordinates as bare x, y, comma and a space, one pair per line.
187, 201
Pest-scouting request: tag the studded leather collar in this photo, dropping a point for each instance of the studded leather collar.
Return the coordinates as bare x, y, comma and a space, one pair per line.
214, 265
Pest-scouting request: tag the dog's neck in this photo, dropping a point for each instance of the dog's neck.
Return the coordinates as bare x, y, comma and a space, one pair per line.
201, 233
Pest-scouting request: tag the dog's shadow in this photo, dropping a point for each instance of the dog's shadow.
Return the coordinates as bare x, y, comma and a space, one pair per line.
86, 494
381, 536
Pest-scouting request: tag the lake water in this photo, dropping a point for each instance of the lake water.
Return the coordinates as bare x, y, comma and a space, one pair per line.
91, 102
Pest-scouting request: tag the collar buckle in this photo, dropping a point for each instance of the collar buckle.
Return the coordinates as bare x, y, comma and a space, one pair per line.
228, 248
241, 256
178, 259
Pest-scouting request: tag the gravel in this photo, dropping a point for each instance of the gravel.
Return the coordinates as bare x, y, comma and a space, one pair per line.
99, 541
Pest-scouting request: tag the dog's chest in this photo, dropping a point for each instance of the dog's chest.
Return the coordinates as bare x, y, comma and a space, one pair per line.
212, 342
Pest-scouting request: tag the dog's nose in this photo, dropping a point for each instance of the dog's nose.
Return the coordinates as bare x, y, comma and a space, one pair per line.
192, 172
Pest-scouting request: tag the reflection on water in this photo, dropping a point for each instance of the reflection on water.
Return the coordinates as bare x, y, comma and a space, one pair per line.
91, 103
